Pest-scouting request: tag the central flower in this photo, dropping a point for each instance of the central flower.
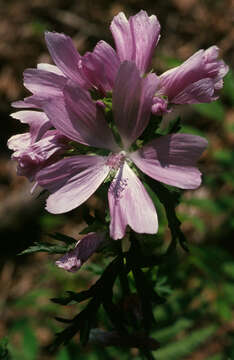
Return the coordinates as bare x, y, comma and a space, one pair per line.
72, 180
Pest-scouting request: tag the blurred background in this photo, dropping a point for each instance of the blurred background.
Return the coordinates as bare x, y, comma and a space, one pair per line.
197, 321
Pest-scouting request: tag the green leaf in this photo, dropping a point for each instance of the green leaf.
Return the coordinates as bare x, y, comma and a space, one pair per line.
213, 110
72, 297
45, 247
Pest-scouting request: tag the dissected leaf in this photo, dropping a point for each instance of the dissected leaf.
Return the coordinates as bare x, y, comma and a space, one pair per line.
45, 247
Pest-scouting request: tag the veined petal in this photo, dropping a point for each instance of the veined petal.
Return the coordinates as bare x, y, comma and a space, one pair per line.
132, 101
201, 66
65, 56
19, 142
44, 83
88, 118
30, 102
122, 35
78, 118
38, 122
33, 156
130, 204
145, 34
101, 66
55, 109
136, 39
201, 91
74, 259
171, 159
49, 67
72, 181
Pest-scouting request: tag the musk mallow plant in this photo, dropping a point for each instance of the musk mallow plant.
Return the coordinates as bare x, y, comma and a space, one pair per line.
94, 124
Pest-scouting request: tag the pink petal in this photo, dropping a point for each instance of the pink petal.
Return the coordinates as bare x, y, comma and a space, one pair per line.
50, 144
78, 118
101, 66
72, 181
30, 102
137, 38
171, 159
74, 259
33, 156
48, 67
132, 100
130, 204
186, 78
88, 118
55, 109
122, 35
38, 122
19, 141
145, 33
43, 83
65, 56
201, 91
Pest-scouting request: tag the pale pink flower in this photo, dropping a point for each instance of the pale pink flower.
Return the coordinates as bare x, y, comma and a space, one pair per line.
72, 180
197, 80
37, 148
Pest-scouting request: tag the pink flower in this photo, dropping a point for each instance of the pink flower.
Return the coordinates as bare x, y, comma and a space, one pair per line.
72, 180
197, 80
74, 259
37, 148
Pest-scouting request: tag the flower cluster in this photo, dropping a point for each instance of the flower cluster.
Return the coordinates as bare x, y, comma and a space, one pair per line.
69, 105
